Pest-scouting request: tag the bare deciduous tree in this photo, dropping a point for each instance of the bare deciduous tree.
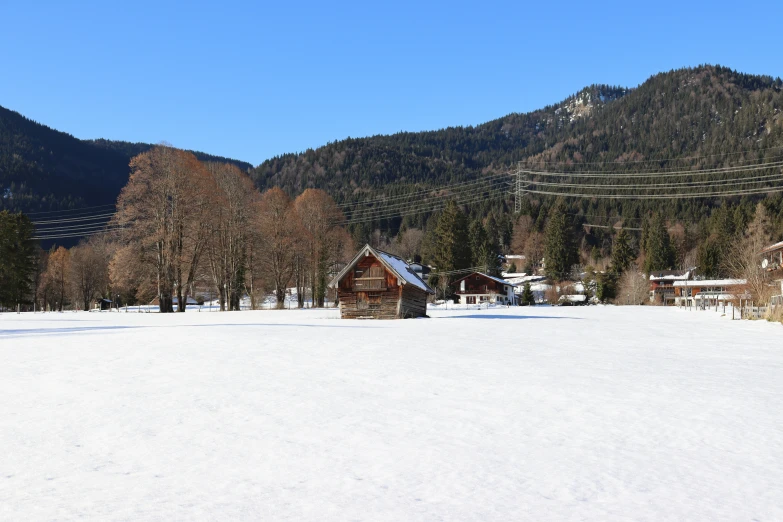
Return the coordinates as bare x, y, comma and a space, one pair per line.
229, 233
408, 243
89, 273
744, 258
322, 236
633, 288
57, 271
275, 218
162, 210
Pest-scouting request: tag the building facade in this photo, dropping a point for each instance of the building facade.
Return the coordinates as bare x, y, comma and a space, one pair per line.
478, 288
379, 285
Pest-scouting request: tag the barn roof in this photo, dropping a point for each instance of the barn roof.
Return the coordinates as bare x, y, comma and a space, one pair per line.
393, 264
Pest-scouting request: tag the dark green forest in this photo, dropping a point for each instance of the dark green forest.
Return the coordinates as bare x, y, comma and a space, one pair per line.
44, 170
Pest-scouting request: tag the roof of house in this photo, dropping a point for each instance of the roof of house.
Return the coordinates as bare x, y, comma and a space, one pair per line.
712, 282
520, 280
496, 279
770, 248
393, 264
670, 275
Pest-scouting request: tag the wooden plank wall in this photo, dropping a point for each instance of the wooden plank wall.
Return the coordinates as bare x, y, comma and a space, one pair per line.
394, 303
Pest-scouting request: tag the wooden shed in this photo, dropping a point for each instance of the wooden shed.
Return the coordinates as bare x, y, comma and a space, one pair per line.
379, 285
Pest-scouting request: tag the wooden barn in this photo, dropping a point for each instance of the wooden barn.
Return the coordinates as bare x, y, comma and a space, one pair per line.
378, 285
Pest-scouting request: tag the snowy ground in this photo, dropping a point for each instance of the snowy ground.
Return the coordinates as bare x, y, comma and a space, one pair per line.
584, 413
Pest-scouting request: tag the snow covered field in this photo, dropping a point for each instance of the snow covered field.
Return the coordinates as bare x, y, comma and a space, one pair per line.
503, 414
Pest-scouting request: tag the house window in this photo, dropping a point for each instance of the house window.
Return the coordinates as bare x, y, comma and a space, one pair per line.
471, 299
462, 286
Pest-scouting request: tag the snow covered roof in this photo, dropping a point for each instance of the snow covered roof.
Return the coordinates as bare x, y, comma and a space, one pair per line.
521, 280
671, 275
496, 279
770, 248
574, 298
394, 264
712, 282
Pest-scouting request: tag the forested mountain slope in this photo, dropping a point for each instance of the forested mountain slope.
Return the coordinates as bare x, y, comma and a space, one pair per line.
42, 169
709, 111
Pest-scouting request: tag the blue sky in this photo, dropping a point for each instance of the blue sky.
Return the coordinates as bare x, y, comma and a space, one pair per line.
251, 80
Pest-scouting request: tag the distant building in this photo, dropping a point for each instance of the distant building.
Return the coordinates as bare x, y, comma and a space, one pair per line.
662, 284
379, 285
104, 304
421, 270
479, 288
708, 292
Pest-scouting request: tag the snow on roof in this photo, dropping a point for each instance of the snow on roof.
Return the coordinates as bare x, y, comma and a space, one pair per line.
521, 280
402, 270
496, 279
712, 282
513, 274
671, 275
770, 248
394, 264
574, 298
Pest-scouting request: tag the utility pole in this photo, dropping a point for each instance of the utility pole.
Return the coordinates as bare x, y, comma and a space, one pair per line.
518, 191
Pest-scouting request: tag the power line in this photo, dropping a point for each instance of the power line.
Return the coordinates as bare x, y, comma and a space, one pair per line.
660, 186
79, 219
765, 190
78, 210
426, 192
653, 174
658, 160
402, 208
422, 208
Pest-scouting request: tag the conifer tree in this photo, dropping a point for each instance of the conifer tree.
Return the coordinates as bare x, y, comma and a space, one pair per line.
659, 254
18, 260
622, 255
560, 251
528, 299
451, 248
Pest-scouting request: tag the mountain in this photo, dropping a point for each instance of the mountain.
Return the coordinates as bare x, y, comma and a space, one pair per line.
711, 112
716, 114
42, 169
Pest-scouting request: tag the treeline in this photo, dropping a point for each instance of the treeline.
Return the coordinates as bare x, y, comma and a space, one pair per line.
619, 262
185, 228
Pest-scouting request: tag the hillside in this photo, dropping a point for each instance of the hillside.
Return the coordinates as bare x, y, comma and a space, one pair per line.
42, 169
710, 112
704, 111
